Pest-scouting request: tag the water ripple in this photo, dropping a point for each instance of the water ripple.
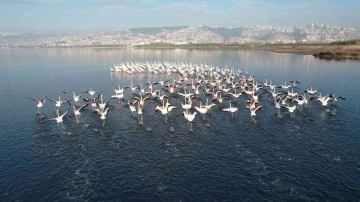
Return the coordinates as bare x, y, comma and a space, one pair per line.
312, 156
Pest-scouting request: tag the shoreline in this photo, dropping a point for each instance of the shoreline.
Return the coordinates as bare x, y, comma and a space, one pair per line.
328, 52
321, 51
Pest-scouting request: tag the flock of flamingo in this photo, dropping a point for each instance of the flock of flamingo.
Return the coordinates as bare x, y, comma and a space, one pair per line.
201, 87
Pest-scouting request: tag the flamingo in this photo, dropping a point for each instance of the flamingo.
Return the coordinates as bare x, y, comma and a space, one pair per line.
59, 118
58, 102
230, 109
40, 103
92, 92
102, 114
93, 101
132, 107
102, 104
76, 98
253, 110
119, 91
120, 96
311, 91
189, 117
201, 110
235, 95
131, 87
77, 111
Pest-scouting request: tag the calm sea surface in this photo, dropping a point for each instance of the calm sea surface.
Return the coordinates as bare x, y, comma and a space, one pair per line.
312, 156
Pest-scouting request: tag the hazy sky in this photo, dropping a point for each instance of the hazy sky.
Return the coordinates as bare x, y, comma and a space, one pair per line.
97, 15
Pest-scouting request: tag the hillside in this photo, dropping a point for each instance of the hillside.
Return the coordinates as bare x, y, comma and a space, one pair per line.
185, 35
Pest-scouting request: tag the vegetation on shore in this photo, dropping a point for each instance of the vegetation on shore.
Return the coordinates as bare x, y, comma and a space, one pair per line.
349, 42
337, 55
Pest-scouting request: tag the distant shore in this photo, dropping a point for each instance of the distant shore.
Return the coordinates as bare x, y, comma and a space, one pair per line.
343, 50
333, 51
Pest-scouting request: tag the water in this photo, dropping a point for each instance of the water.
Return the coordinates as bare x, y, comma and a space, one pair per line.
306, 157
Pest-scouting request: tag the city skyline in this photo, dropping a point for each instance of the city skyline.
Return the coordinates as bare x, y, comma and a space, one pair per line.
65, 16
314, 32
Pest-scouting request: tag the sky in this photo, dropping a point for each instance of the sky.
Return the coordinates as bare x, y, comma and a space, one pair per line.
76, 16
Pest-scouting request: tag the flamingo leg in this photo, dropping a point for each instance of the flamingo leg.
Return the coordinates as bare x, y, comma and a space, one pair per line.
141, 120
279, 113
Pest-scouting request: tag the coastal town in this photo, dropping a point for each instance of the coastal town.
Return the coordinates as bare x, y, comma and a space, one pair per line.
312, 33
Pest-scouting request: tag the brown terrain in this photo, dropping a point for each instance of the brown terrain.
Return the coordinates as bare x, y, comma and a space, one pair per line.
337, 52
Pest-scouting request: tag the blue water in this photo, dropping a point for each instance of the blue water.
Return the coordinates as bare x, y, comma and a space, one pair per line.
312, 156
